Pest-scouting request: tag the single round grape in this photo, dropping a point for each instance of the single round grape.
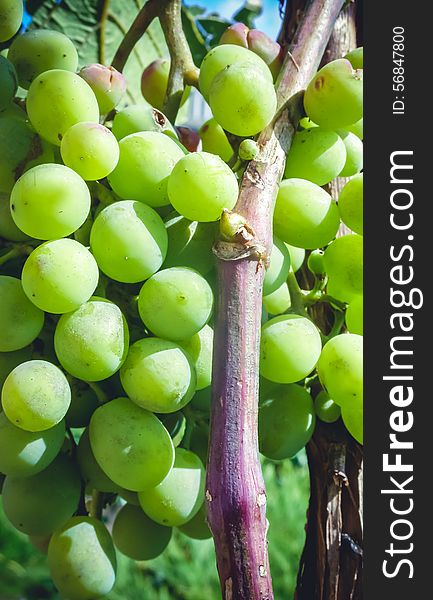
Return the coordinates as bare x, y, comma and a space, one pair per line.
129, 241
130, 444
248, 149
278, 301
92, 474
334, 97
326, 409
353, 418
227, 55
92, 342
137, 536
316, 154
356, 58
146, 161
355, 315
36, 395
57, 100
39, 504
343, 265
202, 400
24, 453
20, 320
154, 82
84, 402
269, 50
60, 275
108, 85
178, 498
235, 34
201, 186
40, 50
190, 244
286, 422
354, 154
197, 528
90, 149
10, 360
290, 348
316, 262
278, 270
82, 559
8, 229
200, 349
50, 201
297, 256
158, 375
8, 82
350, 203
243, 99
140, 117
340, 369
357, 128
214, 140
11, 16
175, 303
305, 215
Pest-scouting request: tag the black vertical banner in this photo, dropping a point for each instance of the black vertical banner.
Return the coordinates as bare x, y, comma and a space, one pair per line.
398, 237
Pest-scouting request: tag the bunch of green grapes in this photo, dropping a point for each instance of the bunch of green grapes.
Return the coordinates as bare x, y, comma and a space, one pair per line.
108, 288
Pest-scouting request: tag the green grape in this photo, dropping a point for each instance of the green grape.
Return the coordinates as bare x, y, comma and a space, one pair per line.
137, 536
197, 528
175, 423
243, 99
214, 140
92, 474
248, 149
270, 51
190, 244
278, 270
297, 256
178, 498
200, 349
8, 82
354, 154
278, 301
83, 404
10, 360
353, 417
108, 85
36, 395
316, 154
8, 229
41, 50
82, 559
357, 128
154, 82
146, 161
40, 503
11, 15
350, 203
50, 201
286, 422
24, 453
129, 241
158, 375
130, 444
202, 399
355, 315
356, 58
334, 98
306, 123
140, 117
20, 148
20, 321
227, 55
90, 149
326, 409
340, 369
290, 348
175, 303
343, 265
130, 497
305, 215
57, 100
201, 186
92, 342
199, 440
316, 262
60, 275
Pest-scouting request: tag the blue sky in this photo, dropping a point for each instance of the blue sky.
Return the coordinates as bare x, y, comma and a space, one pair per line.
269, 21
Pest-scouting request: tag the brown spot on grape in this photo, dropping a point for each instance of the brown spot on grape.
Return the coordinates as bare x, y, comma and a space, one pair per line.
319, 83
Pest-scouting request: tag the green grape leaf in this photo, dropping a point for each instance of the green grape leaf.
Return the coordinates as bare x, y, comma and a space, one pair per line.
249, 12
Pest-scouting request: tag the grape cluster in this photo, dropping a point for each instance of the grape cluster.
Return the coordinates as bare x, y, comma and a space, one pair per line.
107, 287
